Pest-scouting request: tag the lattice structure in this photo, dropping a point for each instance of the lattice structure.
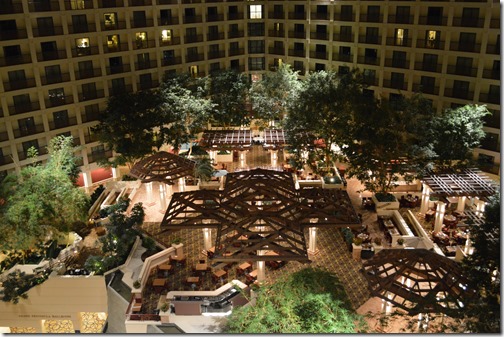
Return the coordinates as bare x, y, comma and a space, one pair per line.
226, 139
163, 167
468, 182
274, 138
417, 281
258, 210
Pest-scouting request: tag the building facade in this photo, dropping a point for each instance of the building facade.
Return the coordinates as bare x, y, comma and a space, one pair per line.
61, 59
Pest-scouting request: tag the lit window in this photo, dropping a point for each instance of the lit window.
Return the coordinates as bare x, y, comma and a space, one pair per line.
193, 70
110, 20
141, 39
432, 38
112, 41
255, 11
77, 4
400, 36
82, 45
166, 35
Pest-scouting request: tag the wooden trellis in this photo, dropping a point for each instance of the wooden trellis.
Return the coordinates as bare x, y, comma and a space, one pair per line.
163, 167
226, 138
468, 182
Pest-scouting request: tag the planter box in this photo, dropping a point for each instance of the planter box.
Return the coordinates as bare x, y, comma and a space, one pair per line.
384, 206
356, 252
224, 157
209, 185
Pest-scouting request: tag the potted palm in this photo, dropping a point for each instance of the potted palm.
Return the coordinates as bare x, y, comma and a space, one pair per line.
203, 171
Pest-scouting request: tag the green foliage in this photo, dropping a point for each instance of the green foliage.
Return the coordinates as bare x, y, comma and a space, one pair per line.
203, 169
149, 244
96, 194
347, 235
128, 178
308, 301
62, 157
95, 264
18, 283
385, 197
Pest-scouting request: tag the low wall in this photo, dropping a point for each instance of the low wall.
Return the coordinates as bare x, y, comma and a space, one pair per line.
153, 261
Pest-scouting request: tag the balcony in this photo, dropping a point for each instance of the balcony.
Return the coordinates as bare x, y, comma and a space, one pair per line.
90, 27
166, 21
123, 68
463, 71
371, 18
43, 6
468, 22
319, 36
321, 55
276, 15
91, 95
191, 1
140, 3
490, 144
395, 84
90, 138
144, 44
398, 42
51, 55
465, 46
370, 80
193, 19
41, 150
4, 136
297, 53
147, 85
23, 107
433, 21
276, 51
215, 36
237, 34
370, 39
457, 93
433, 67
87, 73
495, 23
96, 156
368, 60
90, 116
489, 98
171, 61
47, 31
142, 23
50, 103
167, 2
493, 49
13, 60
492, 120
214, 17
120, 89
297, 16
20, 84
319, 16
116, 26
342, 57
13, 34
491, 74
145, 65
216, 54
417, 87
85, 51
80, 4
276, 33
235, 52
297, 35
193, 38
115, 48
12, 8
195, 57
344, 17
62, 124
63, 77
5, 160
343, 37
408, 20
28, 131
110, 3
235, 16
395, 63
430, 44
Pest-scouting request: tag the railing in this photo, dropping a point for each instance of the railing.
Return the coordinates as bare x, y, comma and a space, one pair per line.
172, 61
215, 36
120, 89
165, 21
91, 50
144, 44
14, 60
95, 156
400, 19
7, 159
492, 74
394, 63
90, 138
80, 4
90, 95
194, 57
63, 77
490, 98
193, 19
124, 68
216, 54
276, 51
140, 2
432, 20
20, 84
319, 36
59, 125
463, 71
344, 17
297, 16
90, 116
234, 35
110, 3
297, 35
146, 65
24, 107
4, 136
234, 52
11, 8
368, 60
215, 17
13, 34
148, 85
343, 37
51, 55
371, 39
371, 18
28, 131
142, 23
117, 25
343, 57
42, 150
429, 44
45, 6
59, 101
319, 16
457, 93
87, 28
398, 42
276, 33
297, 53
276, 15
88, 73
193, 38
465, 46
434, 67
395, 84
425, 89
319, 55
468, 22
47, 31
115, 48
172, 42
235, 16
167, 2
493, 49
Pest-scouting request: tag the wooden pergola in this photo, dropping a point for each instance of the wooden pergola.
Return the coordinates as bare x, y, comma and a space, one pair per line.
163, 167
226, 139
259, 210
417, 281
469, 182
274, 138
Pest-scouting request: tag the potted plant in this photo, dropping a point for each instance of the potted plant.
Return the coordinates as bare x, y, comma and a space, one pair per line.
164, 307
176, 241
400, 241
136, 284
357, 241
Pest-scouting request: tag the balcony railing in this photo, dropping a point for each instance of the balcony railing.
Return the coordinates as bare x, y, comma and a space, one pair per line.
144, 44
63, 77
429, 44
370, 80
276, 15
90, 116
117, 25
468, 22
5, 160
344, 17
12, 8
96, 156
371, 18
115, 48
140, 2
297, 35
4, 136
13, 60
433, 20
235, 16
297, 53
28, 131
58, 102
123, 68
276, 51
51, 55
319, 36
490, 144
319, 55
80, 4
237, 34
395, 84
457, 93
87, 28
276, 33
146, 65
120, 89
434, 67
13, 34
193, 19
235, 52
215, 17
195, 57
493, 49
343, 37
88, 73
370, 39
23, 107
171, 61
85, 51
417, 87
148, 84
42, 150
215, 36
167, 2
90, 138
492, 74
20, 84
342, 57
395, 63
43, 6
91, 95
171, 42
495, 23
400, 19
297, 16
142, 23
398, 42
368, 60
165, 21
47, 31
62, 124
193, 38
319, 16
490, 98
110, 3
465, 46
463, 71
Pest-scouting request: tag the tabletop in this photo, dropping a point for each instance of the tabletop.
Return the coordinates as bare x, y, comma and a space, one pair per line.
244, 265
158, 282
219, 273
201, 266
193, 279
164, 266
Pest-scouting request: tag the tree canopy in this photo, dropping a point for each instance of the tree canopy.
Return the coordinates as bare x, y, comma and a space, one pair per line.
308, 301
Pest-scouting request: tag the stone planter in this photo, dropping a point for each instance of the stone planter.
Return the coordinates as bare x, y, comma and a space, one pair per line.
356, 252
164, 316
179, 248
385, 206
377, 248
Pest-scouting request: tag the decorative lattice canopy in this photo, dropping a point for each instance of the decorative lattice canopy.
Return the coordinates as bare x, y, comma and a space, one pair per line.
468, 182
274, 138
226, 139
258, 210
163, 167
417, 281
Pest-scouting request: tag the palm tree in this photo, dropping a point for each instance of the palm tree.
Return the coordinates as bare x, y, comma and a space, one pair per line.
203, 169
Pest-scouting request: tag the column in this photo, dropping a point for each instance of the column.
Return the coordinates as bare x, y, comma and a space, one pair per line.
207, 238
212, 155
424, 206
88, 181
480, 206
115, 173
312, 240
274, 158
461, 204
243, 159
260, 268
162, 196
440, 211
181, 184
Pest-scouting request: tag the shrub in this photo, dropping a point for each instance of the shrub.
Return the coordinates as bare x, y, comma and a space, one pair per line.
400, 241
385, 197
357, 241
136, 284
